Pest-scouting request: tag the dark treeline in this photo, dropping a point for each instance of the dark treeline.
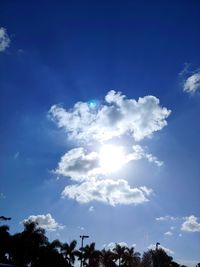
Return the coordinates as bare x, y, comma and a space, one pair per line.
31, 248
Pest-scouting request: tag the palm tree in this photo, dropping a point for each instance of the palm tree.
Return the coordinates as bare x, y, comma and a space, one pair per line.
26, 245
50, 256
160, 258
119, 253
69, 252
34, 238
4, 243
90, 256
147, 259
107, 258
131, 258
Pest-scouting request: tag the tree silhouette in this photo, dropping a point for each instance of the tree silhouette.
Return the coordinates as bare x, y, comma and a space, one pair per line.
131, 258
160, 258
90, 256
107, 258
26, 245
69, 252
119, 252
31, 248
4, 243
147, 259
50, 256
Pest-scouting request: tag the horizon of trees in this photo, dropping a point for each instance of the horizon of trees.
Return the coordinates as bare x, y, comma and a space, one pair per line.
31, 248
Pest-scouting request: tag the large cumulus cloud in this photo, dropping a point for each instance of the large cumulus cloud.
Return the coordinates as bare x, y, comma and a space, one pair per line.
116, 117
87, 124
108, 191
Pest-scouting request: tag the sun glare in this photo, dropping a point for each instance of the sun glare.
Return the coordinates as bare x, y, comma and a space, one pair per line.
111, 157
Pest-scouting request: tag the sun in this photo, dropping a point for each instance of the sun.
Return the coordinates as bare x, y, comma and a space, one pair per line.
111, 158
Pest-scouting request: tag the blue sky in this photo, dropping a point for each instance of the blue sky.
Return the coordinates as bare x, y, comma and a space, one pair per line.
137, 62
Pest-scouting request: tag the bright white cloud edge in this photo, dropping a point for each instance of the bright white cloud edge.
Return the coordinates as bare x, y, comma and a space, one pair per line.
91, 209
191, 224
4, 39
167, 250
79, 164
46, 222
112, 245
192, 83
167, 218
168, 233
117, 117
108, 191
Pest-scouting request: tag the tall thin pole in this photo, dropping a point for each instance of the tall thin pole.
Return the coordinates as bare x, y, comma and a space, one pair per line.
157, 256
82, 238
157, 244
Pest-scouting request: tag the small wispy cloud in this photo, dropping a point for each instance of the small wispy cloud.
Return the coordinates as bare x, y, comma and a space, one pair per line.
192, 83
185, 69
4, 39
91, 209
139, 153
167, 218
16, 155
168, 233
191, 224
81, 228
187, 223
2, 196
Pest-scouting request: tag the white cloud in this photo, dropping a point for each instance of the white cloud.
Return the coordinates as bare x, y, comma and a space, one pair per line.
16, 155
95, 124
192, 83
4, 39
123, 244
185, 70
78, 164
166, 218
167, 250
81, 228
191, 224
112, 245
91, 209
139, 153
146, 190
2, 196
108, 191
169, 233
118, 116
46, 222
